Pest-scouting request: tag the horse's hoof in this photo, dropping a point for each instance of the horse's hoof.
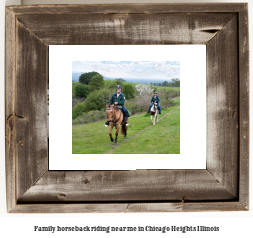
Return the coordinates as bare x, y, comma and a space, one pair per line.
115, 143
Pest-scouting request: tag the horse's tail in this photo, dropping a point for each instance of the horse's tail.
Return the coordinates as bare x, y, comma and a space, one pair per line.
123, 129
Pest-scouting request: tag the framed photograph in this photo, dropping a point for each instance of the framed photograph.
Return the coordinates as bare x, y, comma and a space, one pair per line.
72, 69
167, 70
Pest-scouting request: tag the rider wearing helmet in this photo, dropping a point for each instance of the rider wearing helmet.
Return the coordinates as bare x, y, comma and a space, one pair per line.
155, 98
118, 98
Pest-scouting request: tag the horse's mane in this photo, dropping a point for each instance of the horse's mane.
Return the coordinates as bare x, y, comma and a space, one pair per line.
112, 106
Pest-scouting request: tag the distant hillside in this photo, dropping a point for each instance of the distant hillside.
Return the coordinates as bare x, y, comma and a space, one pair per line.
76, 75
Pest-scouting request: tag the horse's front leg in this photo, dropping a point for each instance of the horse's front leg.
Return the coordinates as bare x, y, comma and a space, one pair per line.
117, 132
110, 133
151, 119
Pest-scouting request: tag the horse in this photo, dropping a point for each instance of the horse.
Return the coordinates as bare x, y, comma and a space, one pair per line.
115, 118
154, 112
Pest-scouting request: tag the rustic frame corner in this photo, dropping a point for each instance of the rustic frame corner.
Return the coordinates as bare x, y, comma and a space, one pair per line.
223, 186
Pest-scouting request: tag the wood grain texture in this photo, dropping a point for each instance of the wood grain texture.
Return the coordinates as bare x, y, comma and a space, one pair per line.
140, 185
244, 106
129, 207
121, 29
223, 107
155, 8
223, 186
9, 109
30, 108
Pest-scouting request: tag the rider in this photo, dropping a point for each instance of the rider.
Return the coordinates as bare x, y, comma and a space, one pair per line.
118, 98
155, 98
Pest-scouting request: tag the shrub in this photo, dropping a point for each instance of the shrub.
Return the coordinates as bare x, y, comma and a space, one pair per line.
112, 85
98, 98
119, 82
128, 90
91, 116
85, 78
81, 90
138, 104
96, 83
166, 97
144, 89
144, 103
78, 110
95, 101
76, 100
154, 88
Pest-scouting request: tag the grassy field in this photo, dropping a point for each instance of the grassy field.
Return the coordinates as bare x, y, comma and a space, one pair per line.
142, 137
168, 88
163, 138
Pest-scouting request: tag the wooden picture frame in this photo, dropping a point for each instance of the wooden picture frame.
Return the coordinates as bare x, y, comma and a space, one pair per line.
222, 186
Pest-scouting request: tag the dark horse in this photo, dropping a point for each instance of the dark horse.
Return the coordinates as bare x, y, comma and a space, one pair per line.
115, 118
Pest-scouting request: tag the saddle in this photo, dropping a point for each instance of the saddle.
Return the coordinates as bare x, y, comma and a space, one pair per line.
128, 112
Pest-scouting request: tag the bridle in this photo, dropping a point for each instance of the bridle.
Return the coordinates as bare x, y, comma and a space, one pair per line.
114, 122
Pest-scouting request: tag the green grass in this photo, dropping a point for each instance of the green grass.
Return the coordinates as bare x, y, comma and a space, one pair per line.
176, 100
93, 138
168, 88
163, 138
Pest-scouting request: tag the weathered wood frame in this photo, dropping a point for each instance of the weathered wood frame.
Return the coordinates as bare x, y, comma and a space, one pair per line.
222, 186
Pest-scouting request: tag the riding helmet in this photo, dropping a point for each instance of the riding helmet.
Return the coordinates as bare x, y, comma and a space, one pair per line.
155, 92
119, 86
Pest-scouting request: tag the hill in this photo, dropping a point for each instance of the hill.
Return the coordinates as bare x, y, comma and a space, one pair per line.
163, 138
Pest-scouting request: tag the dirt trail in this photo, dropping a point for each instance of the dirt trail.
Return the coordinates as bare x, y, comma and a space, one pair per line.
129, 138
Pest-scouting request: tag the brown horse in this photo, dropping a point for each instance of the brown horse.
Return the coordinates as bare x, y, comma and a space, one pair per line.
115, 118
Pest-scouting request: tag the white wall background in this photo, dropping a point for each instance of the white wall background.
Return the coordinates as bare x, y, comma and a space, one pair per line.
239, 223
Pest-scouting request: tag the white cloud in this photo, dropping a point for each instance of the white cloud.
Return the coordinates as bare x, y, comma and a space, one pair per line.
131, 69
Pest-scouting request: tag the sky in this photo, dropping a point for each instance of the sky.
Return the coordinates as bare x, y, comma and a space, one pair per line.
130, 69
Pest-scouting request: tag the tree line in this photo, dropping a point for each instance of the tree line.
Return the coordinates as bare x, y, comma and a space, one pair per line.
175, 83
92, 81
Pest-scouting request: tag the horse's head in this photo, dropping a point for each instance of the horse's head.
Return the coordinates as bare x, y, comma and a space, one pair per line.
109, 111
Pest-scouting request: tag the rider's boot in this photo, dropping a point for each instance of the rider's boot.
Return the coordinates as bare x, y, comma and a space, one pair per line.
107, 123
160, 112
125, 121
